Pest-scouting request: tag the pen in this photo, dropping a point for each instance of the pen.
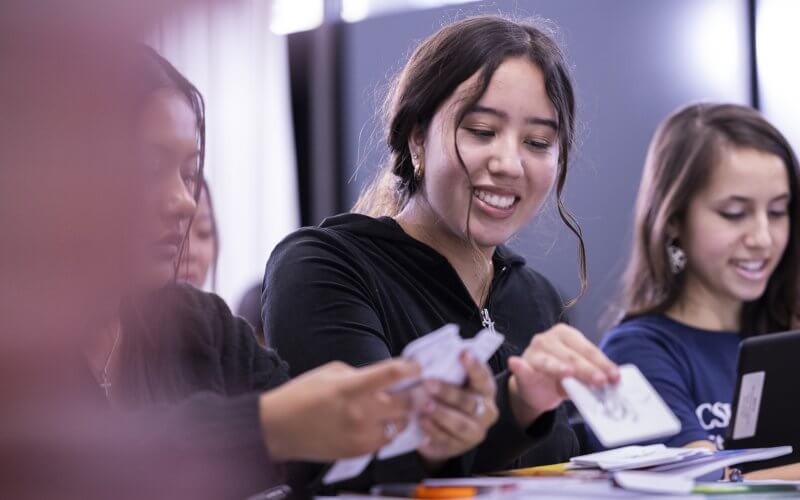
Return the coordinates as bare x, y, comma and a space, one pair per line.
422, 491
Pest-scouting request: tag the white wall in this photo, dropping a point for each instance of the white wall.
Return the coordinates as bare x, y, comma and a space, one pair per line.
777, 44
241, 68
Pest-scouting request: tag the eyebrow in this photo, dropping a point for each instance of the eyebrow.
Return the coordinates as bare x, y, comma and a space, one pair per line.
744, 199
164, 150
533, 120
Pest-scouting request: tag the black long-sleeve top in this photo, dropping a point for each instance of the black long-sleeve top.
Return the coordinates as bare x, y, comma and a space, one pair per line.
359, 289
185, 419
191, 373
179, 341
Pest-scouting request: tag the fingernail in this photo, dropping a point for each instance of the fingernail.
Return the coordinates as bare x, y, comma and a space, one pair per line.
599, 379
468, 357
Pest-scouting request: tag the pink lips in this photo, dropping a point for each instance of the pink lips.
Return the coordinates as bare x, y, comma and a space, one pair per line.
495, 202
755, 270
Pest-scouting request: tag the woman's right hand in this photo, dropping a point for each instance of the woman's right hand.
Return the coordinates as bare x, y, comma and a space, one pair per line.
336, 411
560, 352
456, 418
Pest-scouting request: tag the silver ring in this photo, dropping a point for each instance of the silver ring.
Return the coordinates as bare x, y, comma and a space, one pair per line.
480, 407
389, 430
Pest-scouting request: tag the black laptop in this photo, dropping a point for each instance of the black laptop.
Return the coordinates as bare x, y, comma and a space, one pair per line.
766, 406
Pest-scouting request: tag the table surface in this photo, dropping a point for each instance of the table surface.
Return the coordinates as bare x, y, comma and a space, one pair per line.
570, 488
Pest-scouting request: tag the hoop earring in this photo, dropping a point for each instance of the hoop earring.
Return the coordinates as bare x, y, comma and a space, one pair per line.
677, 258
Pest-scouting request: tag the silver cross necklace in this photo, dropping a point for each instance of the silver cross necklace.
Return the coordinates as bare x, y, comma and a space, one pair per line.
105, 378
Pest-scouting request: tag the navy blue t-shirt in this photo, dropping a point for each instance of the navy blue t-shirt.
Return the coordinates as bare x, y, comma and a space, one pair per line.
693, 370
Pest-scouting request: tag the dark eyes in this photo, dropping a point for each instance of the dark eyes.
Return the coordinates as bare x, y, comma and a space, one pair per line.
157, 165
190, 179
778, 213
736, 216
538, 144
488, 133
732, 215
480, 132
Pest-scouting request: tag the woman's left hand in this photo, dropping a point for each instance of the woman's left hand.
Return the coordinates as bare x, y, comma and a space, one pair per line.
456, 419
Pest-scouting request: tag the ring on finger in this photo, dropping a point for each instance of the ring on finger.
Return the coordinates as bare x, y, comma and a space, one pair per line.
480, 407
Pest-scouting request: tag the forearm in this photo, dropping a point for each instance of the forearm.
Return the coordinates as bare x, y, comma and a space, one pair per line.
523, 413
789, 472
507, 440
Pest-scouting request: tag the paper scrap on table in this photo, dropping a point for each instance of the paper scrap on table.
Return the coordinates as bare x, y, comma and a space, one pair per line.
637, 457
438, 356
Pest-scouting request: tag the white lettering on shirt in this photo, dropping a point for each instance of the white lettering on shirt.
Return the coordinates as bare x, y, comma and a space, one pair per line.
714, 415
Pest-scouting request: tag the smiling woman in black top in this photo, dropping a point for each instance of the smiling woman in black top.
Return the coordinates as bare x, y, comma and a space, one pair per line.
480, 125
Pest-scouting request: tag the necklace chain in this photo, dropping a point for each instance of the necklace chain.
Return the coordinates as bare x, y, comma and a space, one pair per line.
105, 379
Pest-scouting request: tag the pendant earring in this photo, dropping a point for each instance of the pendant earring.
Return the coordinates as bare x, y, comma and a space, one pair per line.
419, 167
677, 258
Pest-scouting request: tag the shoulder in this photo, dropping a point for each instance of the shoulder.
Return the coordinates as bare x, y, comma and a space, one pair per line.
640, 337
533, 290
196, 314
338, 238
525, 302
525, 276
180, 316
180, 301
541, 286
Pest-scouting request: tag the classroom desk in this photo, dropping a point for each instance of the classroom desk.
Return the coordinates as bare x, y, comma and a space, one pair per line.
509, 496
559, 489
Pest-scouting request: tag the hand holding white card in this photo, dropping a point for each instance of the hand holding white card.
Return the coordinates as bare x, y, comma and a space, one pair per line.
628, 412
440, 361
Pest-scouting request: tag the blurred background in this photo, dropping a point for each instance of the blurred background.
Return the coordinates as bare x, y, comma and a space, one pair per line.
294, 88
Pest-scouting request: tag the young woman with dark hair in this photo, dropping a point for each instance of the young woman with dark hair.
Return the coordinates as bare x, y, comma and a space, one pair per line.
715, 259
171, 343
481, 122
126, 357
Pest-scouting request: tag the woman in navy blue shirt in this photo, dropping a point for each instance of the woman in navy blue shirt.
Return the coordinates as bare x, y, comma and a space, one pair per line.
714, 259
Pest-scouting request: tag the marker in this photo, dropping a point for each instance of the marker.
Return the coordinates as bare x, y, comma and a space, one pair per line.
429, 492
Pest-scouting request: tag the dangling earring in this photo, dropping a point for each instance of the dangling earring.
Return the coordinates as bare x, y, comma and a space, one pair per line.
677, 257
419, 167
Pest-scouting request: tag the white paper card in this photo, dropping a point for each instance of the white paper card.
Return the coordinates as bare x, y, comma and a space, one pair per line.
438, 356
441, 359
628, 412
345, 469
749, 405
637, 457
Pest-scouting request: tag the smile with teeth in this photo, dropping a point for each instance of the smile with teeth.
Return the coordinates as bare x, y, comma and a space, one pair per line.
751, 265
752, 269
495, 200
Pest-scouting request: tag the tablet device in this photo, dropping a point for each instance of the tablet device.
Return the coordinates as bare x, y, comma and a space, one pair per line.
766, 404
